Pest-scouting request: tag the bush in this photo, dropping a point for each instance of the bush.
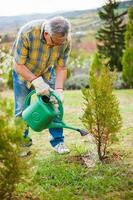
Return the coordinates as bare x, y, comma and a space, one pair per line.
5, 66
10, 81
12, 167
2, 84
77, 82
119, 83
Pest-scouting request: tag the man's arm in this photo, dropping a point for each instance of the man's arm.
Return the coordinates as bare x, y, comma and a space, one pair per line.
40, 86
61, 74
24, 72
61, 70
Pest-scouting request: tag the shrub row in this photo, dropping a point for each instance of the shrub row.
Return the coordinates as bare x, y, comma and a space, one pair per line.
77, 82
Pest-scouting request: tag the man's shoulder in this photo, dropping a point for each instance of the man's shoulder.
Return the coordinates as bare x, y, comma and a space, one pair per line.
31, 26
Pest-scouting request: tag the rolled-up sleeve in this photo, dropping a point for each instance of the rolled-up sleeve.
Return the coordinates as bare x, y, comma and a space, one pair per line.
62, 60
20, 49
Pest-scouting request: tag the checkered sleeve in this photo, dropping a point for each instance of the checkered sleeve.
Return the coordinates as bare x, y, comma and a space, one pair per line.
20, 52
62, 60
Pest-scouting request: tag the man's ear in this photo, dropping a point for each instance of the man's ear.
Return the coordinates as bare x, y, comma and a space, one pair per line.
46, 33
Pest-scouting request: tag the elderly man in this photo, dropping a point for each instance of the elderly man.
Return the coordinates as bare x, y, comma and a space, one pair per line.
40, 54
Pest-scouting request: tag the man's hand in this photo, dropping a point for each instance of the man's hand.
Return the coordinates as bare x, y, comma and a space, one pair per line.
60, 93
53, 100
41, 87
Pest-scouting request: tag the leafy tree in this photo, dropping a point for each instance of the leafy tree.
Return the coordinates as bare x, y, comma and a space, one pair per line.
101, 114
110, 37
127, 59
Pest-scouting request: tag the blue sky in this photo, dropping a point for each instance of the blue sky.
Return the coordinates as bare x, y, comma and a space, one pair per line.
18, 7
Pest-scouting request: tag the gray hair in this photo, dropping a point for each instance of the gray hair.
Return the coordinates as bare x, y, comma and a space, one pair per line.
58, 25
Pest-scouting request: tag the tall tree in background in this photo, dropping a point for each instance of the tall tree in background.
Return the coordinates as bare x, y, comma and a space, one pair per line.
127, 59
110, 37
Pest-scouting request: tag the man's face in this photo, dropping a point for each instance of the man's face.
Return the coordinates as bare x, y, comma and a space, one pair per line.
55, 40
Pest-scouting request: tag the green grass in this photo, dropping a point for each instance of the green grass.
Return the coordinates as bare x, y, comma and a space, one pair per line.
66, 177
59, 178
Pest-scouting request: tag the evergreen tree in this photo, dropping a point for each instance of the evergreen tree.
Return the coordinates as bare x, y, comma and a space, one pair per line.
101, 114
97, 64
110, 37
127, 59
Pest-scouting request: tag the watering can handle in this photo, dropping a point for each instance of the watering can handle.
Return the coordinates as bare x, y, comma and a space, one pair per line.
61, 111
52, 93
27, 99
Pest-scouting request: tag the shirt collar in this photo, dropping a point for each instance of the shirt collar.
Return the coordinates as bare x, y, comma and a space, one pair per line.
42, 32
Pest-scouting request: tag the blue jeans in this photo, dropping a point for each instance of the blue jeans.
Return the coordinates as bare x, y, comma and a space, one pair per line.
20, 92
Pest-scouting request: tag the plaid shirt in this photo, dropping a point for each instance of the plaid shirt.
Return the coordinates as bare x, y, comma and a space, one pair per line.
31, 49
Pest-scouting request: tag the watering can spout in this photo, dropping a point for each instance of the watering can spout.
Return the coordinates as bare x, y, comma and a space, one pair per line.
56, 124
61, 124
82, 132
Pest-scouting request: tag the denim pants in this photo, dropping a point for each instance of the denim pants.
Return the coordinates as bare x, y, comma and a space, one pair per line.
20, 92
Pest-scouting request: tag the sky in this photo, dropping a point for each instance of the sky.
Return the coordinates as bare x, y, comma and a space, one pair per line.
19, 7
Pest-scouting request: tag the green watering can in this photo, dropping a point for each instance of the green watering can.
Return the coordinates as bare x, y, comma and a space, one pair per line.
41, 114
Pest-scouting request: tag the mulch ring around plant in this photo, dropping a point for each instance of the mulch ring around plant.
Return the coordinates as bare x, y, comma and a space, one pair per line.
85, 160
89, 161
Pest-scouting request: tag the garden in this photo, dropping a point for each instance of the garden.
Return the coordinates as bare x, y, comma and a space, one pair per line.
98, 98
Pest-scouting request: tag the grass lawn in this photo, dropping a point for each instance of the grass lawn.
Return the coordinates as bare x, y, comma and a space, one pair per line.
66, 177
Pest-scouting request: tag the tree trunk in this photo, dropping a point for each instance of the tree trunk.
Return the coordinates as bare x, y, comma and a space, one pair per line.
99, 150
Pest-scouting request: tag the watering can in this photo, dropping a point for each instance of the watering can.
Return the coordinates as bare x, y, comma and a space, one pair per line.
41, 114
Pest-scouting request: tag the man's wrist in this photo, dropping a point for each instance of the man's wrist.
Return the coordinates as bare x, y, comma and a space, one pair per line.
32, 79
